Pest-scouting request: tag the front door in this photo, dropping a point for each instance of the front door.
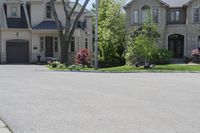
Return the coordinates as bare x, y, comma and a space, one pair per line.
49, 46
176, 45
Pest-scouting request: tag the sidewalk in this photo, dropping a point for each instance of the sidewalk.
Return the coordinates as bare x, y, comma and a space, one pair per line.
4, 128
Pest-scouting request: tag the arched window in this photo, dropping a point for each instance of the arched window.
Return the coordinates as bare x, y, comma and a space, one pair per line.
198, 42
145, 13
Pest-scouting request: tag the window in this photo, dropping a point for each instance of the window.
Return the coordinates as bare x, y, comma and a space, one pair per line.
55, 44
13, 10
48, 11
135, 16
86, 43
145, 15
196, 14
72, 44
177, 16
174, 16
155, 15
42, 42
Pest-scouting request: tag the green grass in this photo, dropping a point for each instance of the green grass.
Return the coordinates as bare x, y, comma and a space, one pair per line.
158, 68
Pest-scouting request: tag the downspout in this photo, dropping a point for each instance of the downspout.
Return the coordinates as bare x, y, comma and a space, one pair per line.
186, 45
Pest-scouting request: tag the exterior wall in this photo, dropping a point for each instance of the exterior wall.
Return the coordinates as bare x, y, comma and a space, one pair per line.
193, 28
154, 4
11, 35
186, 27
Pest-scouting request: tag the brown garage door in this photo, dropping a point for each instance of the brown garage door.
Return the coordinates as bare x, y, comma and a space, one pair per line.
17, 52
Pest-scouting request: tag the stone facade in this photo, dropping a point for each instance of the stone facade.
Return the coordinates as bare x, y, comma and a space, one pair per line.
184, 26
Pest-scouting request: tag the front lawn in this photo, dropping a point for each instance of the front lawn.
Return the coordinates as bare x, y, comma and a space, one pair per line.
157, 68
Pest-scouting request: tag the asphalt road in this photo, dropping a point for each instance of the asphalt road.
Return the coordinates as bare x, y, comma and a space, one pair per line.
34, 100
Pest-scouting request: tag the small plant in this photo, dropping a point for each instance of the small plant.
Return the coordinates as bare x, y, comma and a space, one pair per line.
83, 57
75, 67
55, 64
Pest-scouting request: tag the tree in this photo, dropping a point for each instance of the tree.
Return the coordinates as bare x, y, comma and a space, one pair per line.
65, 33
142, 43
111, 33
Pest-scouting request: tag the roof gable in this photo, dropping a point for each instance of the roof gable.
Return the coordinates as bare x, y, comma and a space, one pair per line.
169, 3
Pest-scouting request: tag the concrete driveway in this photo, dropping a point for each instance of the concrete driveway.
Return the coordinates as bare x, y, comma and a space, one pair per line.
34, 100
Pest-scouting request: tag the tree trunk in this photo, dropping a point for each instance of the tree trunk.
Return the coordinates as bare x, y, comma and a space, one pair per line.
64, 50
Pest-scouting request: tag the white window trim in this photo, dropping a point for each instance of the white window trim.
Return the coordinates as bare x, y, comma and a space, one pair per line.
133, 15
45, 13
9, 12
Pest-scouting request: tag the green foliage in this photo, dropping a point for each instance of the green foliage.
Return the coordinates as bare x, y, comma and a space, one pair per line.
162, 56
142, 43
111, 33
57, 64
75, 67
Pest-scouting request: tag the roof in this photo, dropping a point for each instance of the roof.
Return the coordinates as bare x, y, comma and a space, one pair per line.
170, 3
49, 25
176, 3
78, 8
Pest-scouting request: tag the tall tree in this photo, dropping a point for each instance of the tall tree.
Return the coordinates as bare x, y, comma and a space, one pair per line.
66, 32
111, 32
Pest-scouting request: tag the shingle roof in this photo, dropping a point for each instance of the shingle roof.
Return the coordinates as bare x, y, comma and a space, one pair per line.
171, 3
50, 25
176, 3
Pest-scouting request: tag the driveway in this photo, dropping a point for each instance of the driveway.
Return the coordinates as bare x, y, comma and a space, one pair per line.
35, 100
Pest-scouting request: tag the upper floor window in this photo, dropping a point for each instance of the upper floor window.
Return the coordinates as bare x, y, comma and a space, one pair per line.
196, 13
174, 16
135, 16
13, 11
48, 10
145, 13
155, 15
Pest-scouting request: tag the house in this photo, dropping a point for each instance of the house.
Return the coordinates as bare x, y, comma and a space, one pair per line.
178, 22
28, 30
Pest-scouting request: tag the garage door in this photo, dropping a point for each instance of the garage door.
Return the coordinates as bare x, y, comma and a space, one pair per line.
17, 52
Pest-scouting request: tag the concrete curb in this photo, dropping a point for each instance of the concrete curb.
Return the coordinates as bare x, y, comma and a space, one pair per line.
4, 128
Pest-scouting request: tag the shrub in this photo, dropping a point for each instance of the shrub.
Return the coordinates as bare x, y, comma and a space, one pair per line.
195, 56
55, 64
162, 56
75, 67
83, 57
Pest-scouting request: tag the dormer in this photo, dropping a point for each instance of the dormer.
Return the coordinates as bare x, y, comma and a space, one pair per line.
13, 9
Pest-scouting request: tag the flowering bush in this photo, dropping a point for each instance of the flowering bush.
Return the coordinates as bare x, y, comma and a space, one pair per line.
196, 52
195, 55
83, 57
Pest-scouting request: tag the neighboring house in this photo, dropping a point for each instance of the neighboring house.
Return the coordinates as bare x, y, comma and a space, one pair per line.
28, 30
178, 22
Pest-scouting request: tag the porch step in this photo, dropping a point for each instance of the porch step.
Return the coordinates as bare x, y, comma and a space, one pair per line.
177, 61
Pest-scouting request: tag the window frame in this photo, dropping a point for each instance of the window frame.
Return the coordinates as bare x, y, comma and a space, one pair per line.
55, 43
193, 15
9, 10
86, 43
47, 12
42, 44
157, 13
133, 19
174, 17
72, 49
